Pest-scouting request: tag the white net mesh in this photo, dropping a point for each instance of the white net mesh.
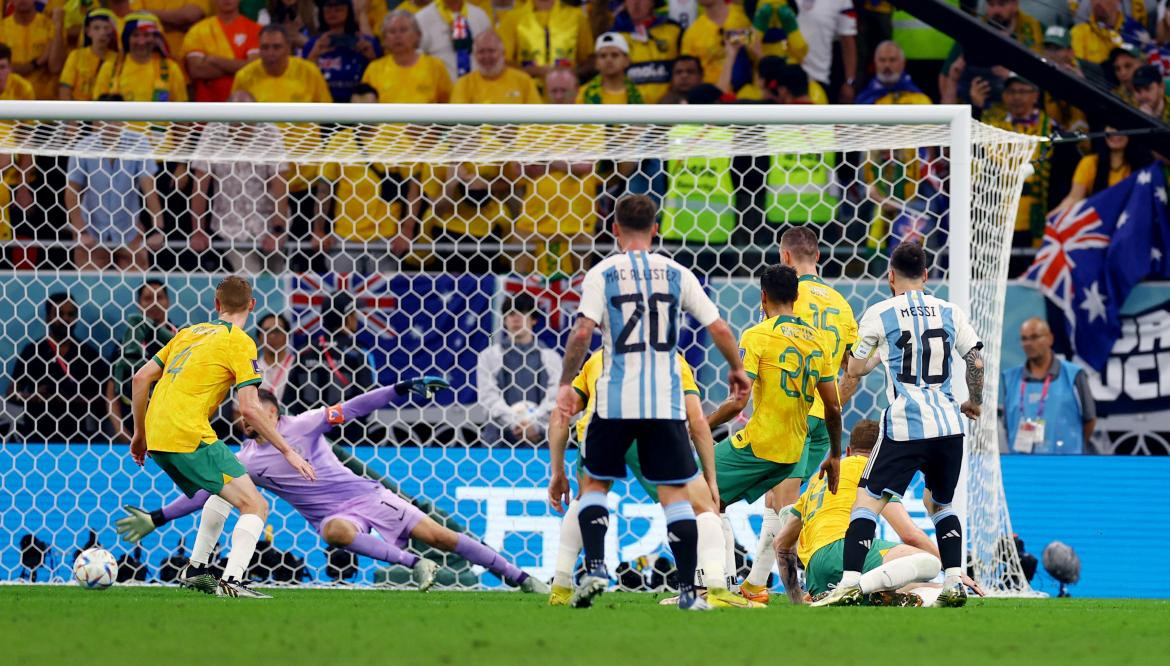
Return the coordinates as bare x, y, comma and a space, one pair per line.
425, 230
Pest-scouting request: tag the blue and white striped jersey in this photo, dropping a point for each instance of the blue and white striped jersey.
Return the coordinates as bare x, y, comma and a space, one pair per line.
637, 298
916, 334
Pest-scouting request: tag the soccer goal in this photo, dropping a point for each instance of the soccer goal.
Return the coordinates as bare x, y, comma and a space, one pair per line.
429, 222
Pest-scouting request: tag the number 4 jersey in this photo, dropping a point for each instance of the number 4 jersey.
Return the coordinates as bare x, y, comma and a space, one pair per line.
200, 366
637, 298
915, 334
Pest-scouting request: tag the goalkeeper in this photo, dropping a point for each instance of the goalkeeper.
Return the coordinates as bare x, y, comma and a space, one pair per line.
342, 506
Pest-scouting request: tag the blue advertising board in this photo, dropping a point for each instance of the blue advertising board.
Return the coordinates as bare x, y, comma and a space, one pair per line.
1106, 507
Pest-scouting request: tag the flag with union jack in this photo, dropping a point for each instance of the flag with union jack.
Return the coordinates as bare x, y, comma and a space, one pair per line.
411, 324
1096, 251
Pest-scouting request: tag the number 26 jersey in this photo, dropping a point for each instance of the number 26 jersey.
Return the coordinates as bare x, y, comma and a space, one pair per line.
916, 335
637, 299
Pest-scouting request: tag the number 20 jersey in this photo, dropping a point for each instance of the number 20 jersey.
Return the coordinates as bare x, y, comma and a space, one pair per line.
200, 366
916, 335
637, 298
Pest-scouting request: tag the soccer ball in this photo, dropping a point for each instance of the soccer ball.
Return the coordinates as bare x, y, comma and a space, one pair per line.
95, 569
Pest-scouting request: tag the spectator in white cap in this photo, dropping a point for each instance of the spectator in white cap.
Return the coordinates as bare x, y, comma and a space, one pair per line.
611, 85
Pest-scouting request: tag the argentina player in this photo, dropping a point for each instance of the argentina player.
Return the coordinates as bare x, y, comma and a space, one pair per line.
637, 297
914, 335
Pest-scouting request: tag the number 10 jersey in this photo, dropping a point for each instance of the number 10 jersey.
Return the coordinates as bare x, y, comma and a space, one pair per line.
637, 298
916, 334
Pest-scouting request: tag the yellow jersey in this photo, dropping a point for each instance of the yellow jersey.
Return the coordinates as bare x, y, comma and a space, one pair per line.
300, 82
704, 40
607, 96
80, 72
157, 80
18, 88
200, 366
361, 213
511, 87
560, 203
585, 380
825, 309
825, 516
29, 42
424, 82
787, 358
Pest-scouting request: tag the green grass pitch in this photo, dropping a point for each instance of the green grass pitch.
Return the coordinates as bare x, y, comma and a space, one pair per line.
139, 626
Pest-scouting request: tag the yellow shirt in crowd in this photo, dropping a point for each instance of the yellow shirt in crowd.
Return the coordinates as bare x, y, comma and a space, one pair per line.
511, 87
175, 37
29, 42
81, 71
704, 40
361, 213
424, 82
787, 358
156, 80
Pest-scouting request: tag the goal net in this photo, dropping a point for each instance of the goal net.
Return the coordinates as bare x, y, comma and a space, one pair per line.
389, 242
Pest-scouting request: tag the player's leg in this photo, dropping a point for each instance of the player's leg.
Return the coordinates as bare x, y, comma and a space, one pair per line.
816, 445
476, 552
211, 521
889, 566
606, 443
213, 467
568, 549
891, 467
711, 572
349, 529
241, 493
667, 460
942, 470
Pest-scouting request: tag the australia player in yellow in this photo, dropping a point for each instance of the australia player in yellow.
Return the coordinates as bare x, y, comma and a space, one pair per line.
894, 573
194, 372
703, 492
789, 364
826, 310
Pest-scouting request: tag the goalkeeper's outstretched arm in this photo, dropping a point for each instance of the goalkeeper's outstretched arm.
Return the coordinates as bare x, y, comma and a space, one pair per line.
138, 522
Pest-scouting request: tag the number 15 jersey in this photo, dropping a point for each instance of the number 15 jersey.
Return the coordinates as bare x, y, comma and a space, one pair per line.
637, 299
916, 334
200, 365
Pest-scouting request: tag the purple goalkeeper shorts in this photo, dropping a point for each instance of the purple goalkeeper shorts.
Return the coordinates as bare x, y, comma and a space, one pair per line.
381, 510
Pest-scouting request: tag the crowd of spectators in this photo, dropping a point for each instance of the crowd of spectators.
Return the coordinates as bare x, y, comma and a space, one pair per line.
259, 216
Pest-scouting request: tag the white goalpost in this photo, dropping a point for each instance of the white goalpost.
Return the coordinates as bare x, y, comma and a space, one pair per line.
429, 218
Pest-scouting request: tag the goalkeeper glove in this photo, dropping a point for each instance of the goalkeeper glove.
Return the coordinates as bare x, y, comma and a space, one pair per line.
138, 524
424, 386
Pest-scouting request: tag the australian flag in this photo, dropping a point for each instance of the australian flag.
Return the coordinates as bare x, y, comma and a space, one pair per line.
1096, 251
411, 325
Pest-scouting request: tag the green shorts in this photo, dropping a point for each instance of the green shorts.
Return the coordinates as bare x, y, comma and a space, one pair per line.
743, 476
209, 467
824, 567
816, 447
635, 468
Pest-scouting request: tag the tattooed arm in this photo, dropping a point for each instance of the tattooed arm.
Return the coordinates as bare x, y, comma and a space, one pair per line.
974, 404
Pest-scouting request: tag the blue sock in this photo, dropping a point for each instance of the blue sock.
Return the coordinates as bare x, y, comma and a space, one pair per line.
683, 534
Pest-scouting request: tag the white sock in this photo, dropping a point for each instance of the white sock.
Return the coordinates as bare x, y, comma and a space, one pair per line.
570, 547
849, 578
729, 569
765, 556
710, 573
215, 513
892, 575
244, 537
953, 575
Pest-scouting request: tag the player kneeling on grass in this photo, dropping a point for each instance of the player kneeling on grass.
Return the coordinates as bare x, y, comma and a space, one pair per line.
342, 506
704, 492
816, 526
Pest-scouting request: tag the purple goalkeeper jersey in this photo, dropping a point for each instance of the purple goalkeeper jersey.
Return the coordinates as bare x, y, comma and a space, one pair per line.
305, 432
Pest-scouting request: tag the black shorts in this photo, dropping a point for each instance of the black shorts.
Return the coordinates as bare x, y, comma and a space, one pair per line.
664, 449
892, 465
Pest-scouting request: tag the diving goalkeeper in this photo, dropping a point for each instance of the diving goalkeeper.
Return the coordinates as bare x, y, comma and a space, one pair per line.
342, 506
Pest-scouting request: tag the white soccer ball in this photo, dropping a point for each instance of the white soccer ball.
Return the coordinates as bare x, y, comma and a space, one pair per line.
95, 569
